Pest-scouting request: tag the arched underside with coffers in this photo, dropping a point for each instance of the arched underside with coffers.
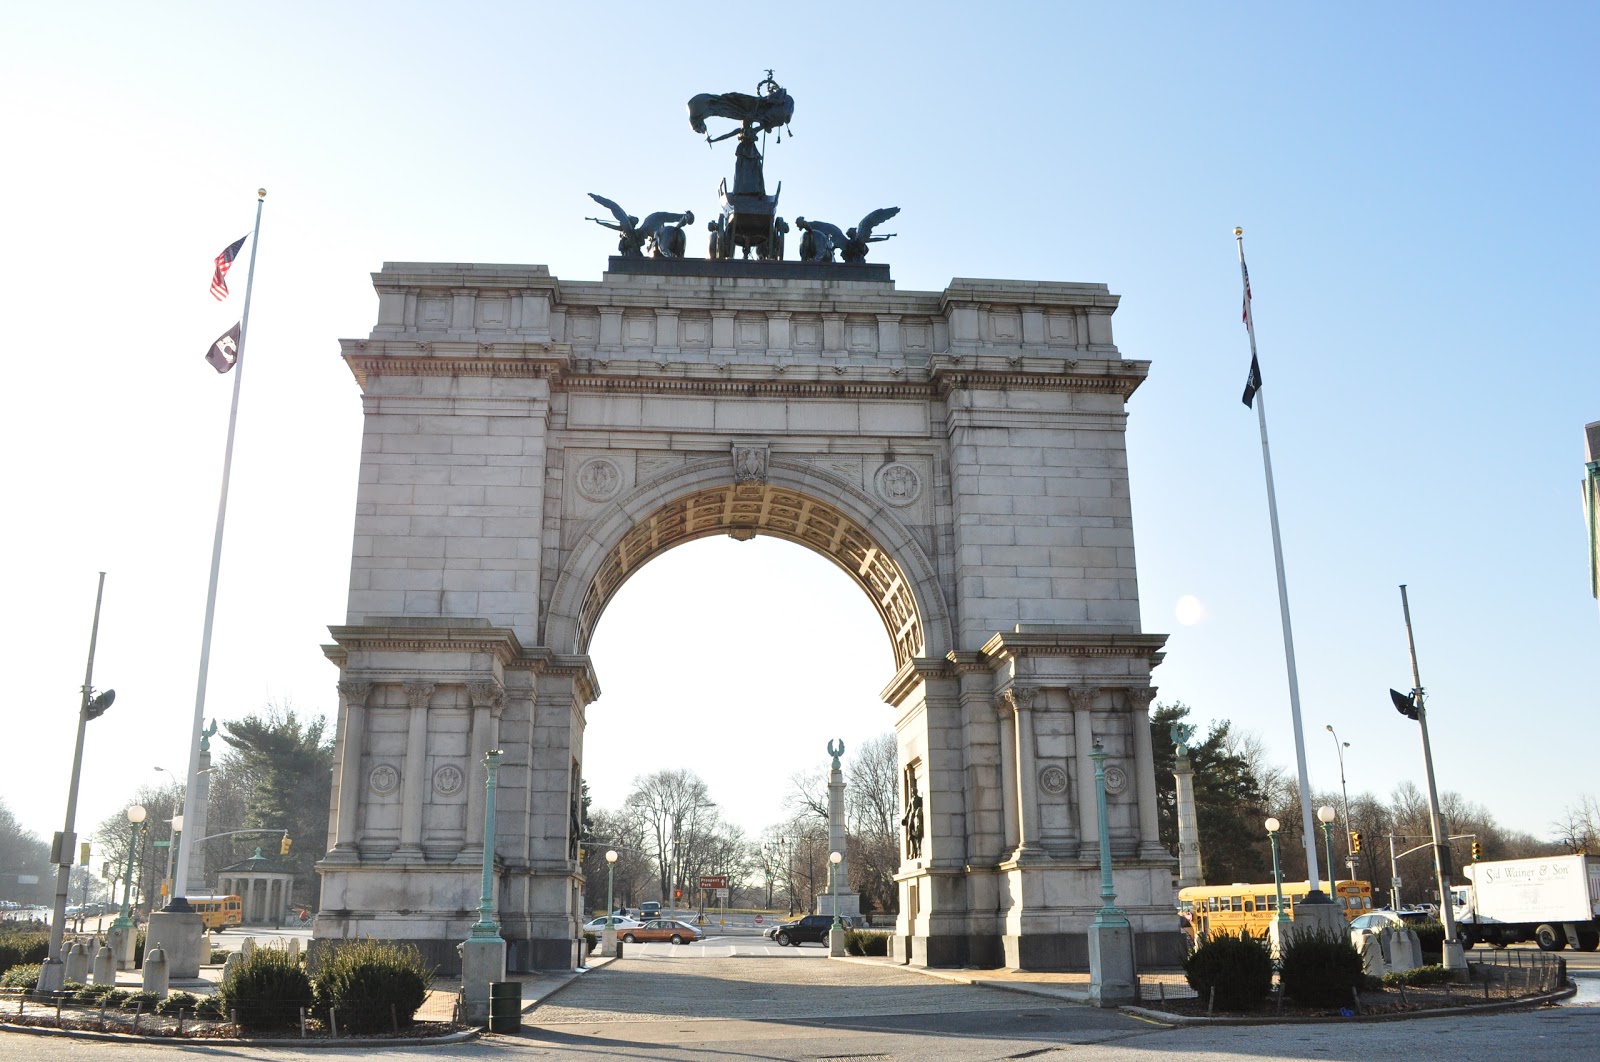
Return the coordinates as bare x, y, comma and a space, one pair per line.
744, 511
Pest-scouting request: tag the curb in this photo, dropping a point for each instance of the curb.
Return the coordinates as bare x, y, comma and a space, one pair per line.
204, 1041
1167, 1018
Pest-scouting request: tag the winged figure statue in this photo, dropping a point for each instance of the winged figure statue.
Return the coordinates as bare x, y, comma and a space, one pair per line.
821, 239
773, 108
661, 233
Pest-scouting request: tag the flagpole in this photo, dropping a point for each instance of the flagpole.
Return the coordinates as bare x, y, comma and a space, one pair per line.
1313, 877
186, 840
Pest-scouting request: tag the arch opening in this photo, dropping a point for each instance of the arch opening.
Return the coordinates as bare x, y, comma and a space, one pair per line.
745, 510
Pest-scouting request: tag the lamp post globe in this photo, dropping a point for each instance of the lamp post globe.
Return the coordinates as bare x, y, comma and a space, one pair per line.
608, 938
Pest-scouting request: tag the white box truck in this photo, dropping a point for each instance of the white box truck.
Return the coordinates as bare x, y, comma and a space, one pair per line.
1553, 900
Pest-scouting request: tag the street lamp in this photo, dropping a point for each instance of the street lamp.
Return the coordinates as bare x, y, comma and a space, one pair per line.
52, 974
834, 859
136, 816
609, 940
1282, 917
1339, 747
1326, 815
485, 928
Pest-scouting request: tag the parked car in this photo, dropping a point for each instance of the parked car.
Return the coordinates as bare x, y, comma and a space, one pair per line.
598, 925
662, 929
812, 929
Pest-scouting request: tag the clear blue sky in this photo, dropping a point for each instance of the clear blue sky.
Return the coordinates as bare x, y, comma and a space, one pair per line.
1416, 186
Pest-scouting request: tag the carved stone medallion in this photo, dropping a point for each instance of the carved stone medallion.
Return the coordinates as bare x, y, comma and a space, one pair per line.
599, 479
1053, 780
383, 779
899, 484
1116, 779
448, 780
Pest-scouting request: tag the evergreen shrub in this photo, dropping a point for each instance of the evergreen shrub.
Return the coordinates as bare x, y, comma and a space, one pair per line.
865, 942
22, 975
178, 1001
151, 1000
1319, 967
20, 947
267, 990
1422, 975
1238, 968
365, 978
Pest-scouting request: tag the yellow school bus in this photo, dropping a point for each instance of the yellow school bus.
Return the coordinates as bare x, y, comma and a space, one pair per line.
219, 912
1227, 910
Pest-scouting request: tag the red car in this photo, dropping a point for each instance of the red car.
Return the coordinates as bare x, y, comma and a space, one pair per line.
661, 929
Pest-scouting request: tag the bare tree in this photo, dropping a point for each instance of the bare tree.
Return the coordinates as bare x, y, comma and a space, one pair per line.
1578, 828
676, 810
872, 802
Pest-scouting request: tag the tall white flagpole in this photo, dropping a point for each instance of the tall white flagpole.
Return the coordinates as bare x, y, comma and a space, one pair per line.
1313, 876
186, 840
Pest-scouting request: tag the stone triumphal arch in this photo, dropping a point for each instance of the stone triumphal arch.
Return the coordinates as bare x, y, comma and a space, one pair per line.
531, 442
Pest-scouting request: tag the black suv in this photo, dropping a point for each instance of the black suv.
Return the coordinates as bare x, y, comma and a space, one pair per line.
812, 928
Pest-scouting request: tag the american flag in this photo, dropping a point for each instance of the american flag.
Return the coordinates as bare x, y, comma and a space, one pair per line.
1244, 269
219, 286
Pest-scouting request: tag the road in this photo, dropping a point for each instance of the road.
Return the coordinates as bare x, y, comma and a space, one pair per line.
735, 998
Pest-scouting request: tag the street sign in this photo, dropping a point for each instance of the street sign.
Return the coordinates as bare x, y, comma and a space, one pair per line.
758, 920
722, 894
713, 882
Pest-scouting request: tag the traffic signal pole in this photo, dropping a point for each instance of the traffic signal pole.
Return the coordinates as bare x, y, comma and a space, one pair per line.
1454, 958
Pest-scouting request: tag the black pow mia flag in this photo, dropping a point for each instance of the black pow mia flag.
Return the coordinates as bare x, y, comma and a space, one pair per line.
225, 351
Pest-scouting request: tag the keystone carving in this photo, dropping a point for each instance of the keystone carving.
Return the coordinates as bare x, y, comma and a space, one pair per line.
749, 464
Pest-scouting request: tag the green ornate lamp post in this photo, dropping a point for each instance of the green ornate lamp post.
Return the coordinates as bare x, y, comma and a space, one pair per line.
1113, 979
1282, 917
1326, 815
136, 816
835, 931
485, 928
1109, 914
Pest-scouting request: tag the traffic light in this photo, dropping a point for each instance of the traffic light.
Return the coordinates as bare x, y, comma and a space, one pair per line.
1355, 841
677, 894
283, 846
1404, 703
83, 852
1477, 850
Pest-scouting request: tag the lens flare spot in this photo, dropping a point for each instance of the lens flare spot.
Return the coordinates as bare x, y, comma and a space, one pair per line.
1190, 610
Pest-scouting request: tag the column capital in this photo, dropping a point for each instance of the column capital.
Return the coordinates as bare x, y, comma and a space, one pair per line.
1082, 697
355, 692
418, 694
1140, 697
1017, 698
489, 695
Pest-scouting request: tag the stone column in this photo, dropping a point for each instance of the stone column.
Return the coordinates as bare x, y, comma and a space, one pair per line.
250, 899
1010, 834
202, 785
839, 898
1190, 871
355, 695
1082, 698
1144, 765
1020, 698
412, 790
486, 697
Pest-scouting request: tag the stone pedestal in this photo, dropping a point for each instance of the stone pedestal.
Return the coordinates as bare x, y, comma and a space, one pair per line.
836, 943
483, 962
1308, 917
1112, 978
52, 975
182, 935
121, 941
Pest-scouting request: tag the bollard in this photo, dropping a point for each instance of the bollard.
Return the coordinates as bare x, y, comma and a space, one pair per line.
76, 967
248, 947
155, 971
302, 1023
333, 1020
105, 967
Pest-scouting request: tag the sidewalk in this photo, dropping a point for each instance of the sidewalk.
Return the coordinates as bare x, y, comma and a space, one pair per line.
1069, 986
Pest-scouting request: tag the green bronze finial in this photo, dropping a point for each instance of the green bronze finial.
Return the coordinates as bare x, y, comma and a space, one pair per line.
206, 735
